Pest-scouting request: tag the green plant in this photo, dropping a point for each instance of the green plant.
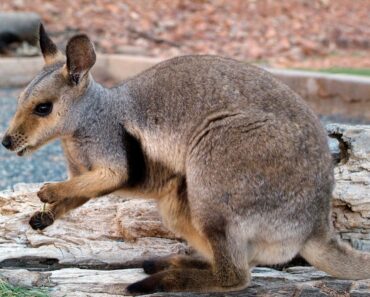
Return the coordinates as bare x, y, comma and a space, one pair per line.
7, 290
340, 70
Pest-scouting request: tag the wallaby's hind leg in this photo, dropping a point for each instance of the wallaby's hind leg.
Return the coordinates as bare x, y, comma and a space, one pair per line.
41, 220
155, 265
222, 275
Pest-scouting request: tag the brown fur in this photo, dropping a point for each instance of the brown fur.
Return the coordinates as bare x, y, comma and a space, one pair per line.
172, 262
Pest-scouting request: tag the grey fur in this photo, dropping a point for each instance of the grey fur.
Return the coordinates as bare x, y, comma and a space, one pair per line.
237, 161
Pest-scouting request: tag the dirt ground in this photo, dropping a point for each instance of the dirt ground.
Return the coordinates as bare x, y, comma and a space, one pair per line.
290, 33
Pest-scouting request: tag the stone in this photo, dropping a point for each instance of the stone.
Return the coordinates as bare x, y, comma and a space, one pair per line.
94, 235
295, 281
18, 27
351, 196
75, 281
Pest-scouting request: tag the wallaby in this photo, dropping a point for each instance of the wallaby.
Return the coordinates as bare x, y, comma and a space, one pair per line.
237, 162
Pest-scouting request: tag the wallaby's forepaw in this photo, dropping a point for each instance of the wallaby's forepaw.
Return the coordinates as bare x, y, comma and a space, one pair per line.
40, 220
49, 193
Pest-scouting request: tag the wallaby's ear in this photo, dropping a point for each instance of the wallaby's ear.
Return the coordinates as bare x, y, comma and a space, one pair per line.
48, 48
80, 57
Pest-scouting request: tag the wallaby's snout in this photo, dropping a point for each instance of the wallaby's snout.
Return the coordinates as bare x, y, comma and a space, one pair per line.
16, 142
30, 127
7, 142
48, 105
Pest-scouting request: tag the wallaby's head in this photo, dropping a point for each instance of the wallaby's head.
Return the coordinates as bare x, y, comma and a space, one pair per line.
46, 105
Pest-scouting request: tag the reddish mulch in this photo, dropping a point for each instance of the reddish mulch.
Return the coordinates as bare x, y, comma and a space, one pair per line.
289, 33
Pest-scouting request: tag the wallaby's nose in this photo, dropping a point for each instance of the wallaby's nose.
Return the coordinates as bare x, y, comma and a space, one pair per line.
7, 141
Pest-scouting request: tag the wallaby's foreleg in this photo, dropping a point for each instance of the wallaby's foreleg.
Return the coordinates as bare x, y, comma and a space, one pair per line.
41, 220
91, 184
222, 275
65, 196
155, 265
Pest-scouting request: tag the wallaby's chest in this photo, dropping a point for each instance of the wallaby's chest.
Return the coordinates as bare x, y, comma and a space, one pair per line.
77, 158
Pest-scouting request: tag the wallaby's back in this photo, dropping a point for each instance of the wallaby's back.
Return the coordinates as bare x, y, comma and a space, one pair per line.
177, 95
176, 99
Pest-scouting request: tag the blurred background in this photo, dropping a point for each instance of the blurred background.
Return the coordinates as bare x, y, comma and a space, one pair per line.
315, 34
329, 36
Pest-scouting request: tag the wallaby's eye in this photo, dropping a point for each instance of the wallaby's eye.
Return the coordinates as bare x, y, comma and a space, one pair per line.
43, 109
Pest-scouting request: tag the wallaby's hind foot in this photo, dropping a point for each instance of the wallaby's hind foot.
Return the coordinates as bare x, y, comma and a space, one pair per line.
155, 265
41, 220
193, 275
194, 280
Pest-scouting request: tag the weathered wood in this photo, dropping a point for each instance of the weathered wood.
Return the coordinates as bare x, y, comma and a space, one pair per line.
91, 236
295, 281
351, 197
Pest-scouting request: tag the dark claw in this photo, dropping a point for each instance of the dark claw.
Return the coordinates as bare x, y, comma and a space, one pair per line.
40, 220
149, 267
135, 288
146, 286
155, 265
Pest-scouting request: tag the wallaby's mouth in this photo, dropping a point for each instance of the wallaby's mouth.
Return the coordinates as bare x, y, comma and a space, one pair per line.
24, 150
21, 152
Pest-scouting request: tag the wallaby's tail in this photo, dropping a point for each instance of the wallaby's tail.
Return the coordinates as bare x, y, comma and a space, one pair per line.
337, 258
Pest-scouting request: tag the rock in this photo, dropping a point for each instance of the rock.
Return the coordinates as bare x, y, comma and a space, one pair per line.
19, 27
75, 281
295, 281
115, 234
351, 197
94, 235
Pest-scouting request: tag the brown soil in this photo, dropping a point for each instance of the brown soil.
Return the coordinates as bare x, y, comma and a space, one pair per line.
291, 33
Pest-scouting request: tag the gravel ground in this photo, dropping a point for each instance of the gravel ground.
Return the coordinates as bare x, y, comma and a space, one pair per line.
47, 164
